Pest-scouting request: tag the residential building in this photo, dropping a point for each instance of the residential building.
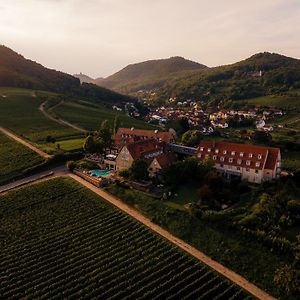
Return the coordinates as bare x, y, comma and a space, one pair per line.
159, 163
249, 162
126, 136
144, 149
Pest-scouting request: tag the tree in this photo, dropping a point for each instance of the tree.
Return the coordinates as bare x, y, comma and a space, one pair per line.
92, 146
262, 137
104, 135
139, 170
71, 165
116, 124
191, 138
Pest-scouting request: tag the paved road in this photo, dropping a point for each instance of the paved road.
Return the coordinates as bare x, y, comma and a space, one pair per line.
58, 120
239, 280
40, 176
25, 143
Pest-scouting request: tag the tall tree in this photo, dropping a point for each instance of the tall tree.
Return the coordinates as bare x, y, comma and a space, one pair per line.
116, 124
104, 134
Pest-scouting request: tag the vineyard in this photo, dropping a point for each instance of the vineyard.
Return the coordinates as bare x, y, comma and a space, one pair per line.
15, 158
20, 113
59, 240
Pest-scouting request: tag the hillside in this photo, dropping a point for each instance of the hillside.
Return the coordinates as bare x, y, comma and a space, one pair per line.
149, 74
84, 78
241, 80
17, 71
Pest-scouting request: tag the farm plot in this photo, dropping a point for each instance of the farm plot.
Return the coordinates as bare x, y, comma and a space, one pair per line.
19, 111
90, 116
59, 240
15, 158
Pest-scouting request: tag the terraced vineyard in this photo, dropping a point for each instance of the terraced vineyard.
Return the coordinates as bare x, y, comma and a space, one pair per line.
15, 158
59, 240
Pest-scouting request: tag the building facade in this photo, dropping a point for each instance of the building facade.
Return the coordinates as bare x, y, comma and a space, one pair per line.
249, 162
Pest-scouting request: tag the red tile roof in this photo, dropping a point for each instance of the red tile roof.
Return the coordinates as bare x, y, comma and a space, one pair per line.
145, 149
239, 155
129, 135
166, 159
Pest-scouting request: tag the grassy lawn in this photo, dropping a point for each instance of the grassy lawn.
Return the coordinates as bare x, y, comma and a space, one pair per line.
90, 116
15, 158
20, 114
67, 145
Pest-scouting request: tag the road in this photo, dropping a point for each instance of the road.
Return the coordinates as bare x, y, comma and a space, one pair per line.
239, 280
58, 120
25, 143
38, 177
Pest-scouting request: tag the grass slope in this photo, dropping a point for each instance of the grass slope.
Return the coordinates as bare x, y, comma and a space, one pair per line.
90, 116
59, 240
19, 110
15, 158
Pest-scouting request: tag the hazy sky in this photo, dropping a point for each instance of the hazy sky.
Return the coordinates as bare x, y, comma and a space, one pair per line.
98, 37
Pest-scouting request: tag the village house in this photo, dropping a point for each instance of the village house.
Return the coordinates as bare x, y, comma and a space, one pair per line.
249, 162
143, 149
126, 136
159, 163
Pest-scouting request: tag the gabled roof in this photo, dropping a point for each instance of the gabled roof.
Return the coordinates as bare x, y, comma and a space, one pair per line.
252, 154
165, 159
145, 149
130, 135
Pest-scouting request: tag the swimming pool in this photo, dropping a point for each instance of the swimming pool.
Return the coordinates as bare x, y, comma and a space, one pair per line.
102, 173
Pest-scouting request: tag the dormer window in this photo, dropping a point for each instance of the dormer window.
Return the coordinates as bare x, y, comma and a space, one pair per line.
241, 154
257, 164
248, 162
239, 161
199, 155
230, 160
217, 151
209, 150
201, 148
259, 156
250, 155
232, 152
222, 158
214, 157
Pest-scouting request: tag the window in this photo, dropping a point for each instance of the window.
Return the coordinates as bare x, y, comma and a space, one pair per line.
229, 167
230, 160
217, 151
214, 157
208, 150
199, 155
257, 164
222, 166
241, 154
201, 148
239, 161
248, 162
238, 168
250, 155
225, 151
256, 171
222, 158
259, 156
232, 152
247, 170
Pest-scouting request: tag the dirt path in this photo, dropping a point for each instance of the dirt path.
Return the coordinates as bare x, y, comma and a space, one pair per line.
239, 280
25, 143
58, 120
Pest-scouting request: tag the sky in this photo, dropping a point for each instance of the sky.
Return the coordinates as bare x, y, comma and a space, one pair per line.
99, 37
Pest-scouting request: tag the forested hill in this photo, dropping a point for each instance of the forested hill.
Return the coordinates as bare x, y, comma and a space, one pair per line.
261, 74
17, 71
149, 74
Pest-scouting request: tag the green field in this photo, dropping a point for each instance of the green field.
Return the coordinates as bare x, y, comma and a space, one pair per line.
59, 240
90, 116
19, 113
15, 158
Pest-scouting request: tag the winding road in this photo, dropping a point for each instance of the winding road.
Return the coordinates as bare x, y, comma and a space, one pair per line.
58, 120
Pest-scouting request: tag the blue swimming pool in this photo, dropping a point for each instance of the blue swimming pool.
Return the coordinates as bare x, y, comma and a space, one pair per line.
102, 173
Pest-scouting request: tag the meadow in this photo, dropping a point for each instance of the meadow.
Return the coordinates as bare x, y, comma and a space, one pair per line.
20, 113
59, 240
89, 115
15, 158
